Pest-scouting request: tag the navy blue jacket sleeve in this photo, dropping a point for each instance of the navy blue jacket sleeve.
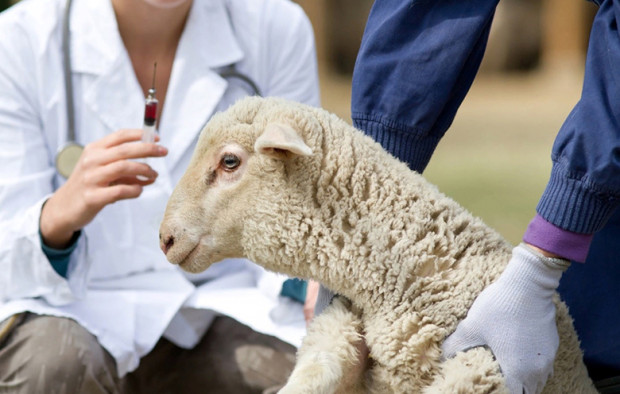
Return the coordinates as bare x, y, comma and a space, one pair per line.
416, 63
584, 189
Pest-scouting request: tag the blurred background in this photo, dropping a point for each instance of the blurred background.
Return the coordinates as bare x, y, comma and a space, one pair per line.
494, 159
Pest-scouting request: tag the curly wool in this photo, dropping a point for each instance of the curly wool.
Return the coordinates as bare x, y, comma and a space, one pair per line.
410, 259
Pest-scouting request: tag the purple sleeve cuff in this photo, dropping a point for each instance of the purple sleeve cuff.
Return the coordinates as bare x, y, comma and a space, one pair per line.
566, 244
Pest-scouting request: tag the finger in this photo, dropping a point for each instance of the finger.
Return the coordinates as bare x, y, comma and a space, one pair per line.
108, 195
514, 386
541, 385
119, 137
132, 151
97, 157
121, 169
133, 181
460, 341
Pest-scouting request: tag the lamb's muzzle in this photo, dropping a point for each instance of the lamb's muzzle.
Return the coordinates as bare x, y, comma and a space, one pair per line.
179, 245
167, 238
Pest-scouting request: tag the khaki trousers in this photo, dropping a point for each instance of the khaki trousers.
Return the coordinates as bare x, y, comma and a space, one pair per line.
45, 354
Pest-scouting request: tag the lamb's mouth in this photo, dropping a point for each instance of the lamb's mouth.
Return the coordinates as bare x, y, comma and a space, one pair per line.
187, 260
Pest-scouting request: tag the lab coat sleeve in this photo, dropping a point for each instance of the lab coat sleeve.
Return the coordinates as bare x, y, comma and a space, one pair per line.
26, 179
291, 53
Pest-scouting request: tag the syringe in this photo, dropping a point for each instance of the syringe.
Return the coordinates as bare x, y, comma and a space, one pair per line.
150, 117
150, 112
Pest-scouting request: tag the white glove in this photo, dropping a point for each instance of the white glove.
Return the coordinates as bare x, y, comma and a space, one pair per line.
515, 318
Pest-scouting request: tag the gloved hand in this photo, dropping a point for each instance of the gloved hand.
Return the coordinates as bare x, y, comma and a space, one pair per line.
515, 318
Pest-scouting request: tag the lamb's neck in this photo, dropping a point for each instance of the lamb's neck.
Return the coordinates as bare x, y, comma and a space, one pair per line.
366, 201
385, 233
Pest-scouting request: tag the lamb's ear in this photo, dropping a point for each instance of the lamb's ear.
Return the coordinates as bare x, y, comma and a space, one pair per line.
281, 141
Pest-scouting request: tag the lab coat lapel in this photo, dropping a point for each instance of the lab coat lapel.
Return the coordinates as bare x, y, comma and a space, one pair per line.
111, 91
195, 88
113, 94
116, 98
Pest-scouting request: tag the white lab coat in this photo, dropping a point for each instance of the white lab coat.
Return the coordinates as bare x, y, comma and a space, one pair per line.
120, 286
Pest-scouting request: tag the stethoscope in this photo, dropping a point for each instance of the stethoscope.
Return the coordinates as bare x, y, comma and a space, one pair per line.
69, 154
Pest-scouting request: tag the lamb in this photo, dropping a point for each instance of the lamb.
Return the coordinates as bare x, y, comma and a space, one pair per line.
301, 192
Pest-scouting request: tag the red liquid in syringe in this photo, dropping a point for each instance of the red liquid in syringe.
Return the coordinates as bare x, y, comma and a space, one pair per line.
150, 111
150, 117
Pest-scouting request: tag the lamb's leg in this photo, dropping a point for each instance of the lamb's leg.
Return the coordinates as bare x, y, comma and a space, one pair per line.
328, 360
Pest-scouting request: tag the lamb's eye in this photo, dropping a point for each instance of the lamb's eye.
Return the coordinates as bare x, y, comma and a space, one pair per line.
230, 162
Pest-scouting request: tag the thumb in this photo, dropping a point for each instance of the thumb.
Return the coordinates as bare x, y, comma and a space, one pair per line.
460, 340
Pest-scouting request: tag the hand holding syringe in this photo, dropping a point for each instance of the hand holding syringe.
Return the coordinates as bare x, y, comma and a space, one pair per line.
150, 114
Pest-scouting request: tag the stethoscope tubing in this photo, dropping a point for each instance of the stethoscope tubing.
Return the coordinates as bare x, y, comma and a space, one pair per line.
66, 57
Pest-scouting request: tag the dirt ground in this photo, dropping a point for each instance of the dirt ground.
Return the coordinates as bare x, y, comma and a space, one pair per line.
495, 159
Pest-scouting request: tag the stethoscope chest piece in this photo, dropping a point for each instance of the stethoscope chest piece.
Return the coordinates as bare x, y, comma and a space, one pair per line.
67, 157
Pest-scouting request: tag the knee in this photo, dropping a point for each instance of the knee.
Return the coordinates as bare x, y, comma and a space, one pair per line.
64, 350
53, 352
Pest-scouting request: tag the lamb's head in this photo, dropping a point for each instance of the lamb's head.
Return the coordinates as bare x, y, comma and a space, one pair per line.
249, 174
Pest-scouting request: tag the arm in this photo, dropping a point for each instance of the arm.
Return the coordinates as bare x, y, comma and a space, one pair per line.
27, 177
33, 211
582, 194
416, 63
583, 191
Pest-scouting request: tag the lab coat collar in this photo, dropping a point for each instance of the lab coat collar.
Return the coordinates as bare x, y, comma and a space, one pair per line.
208, 43
96, 42
195, 89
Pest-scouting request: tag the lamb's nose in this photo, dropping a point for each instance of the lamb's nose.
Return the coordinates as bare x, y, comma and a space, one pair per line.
166, 242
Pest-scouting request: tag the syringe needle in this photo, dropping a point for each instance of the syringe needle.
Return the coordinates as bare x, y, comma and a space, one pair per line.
154, 72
